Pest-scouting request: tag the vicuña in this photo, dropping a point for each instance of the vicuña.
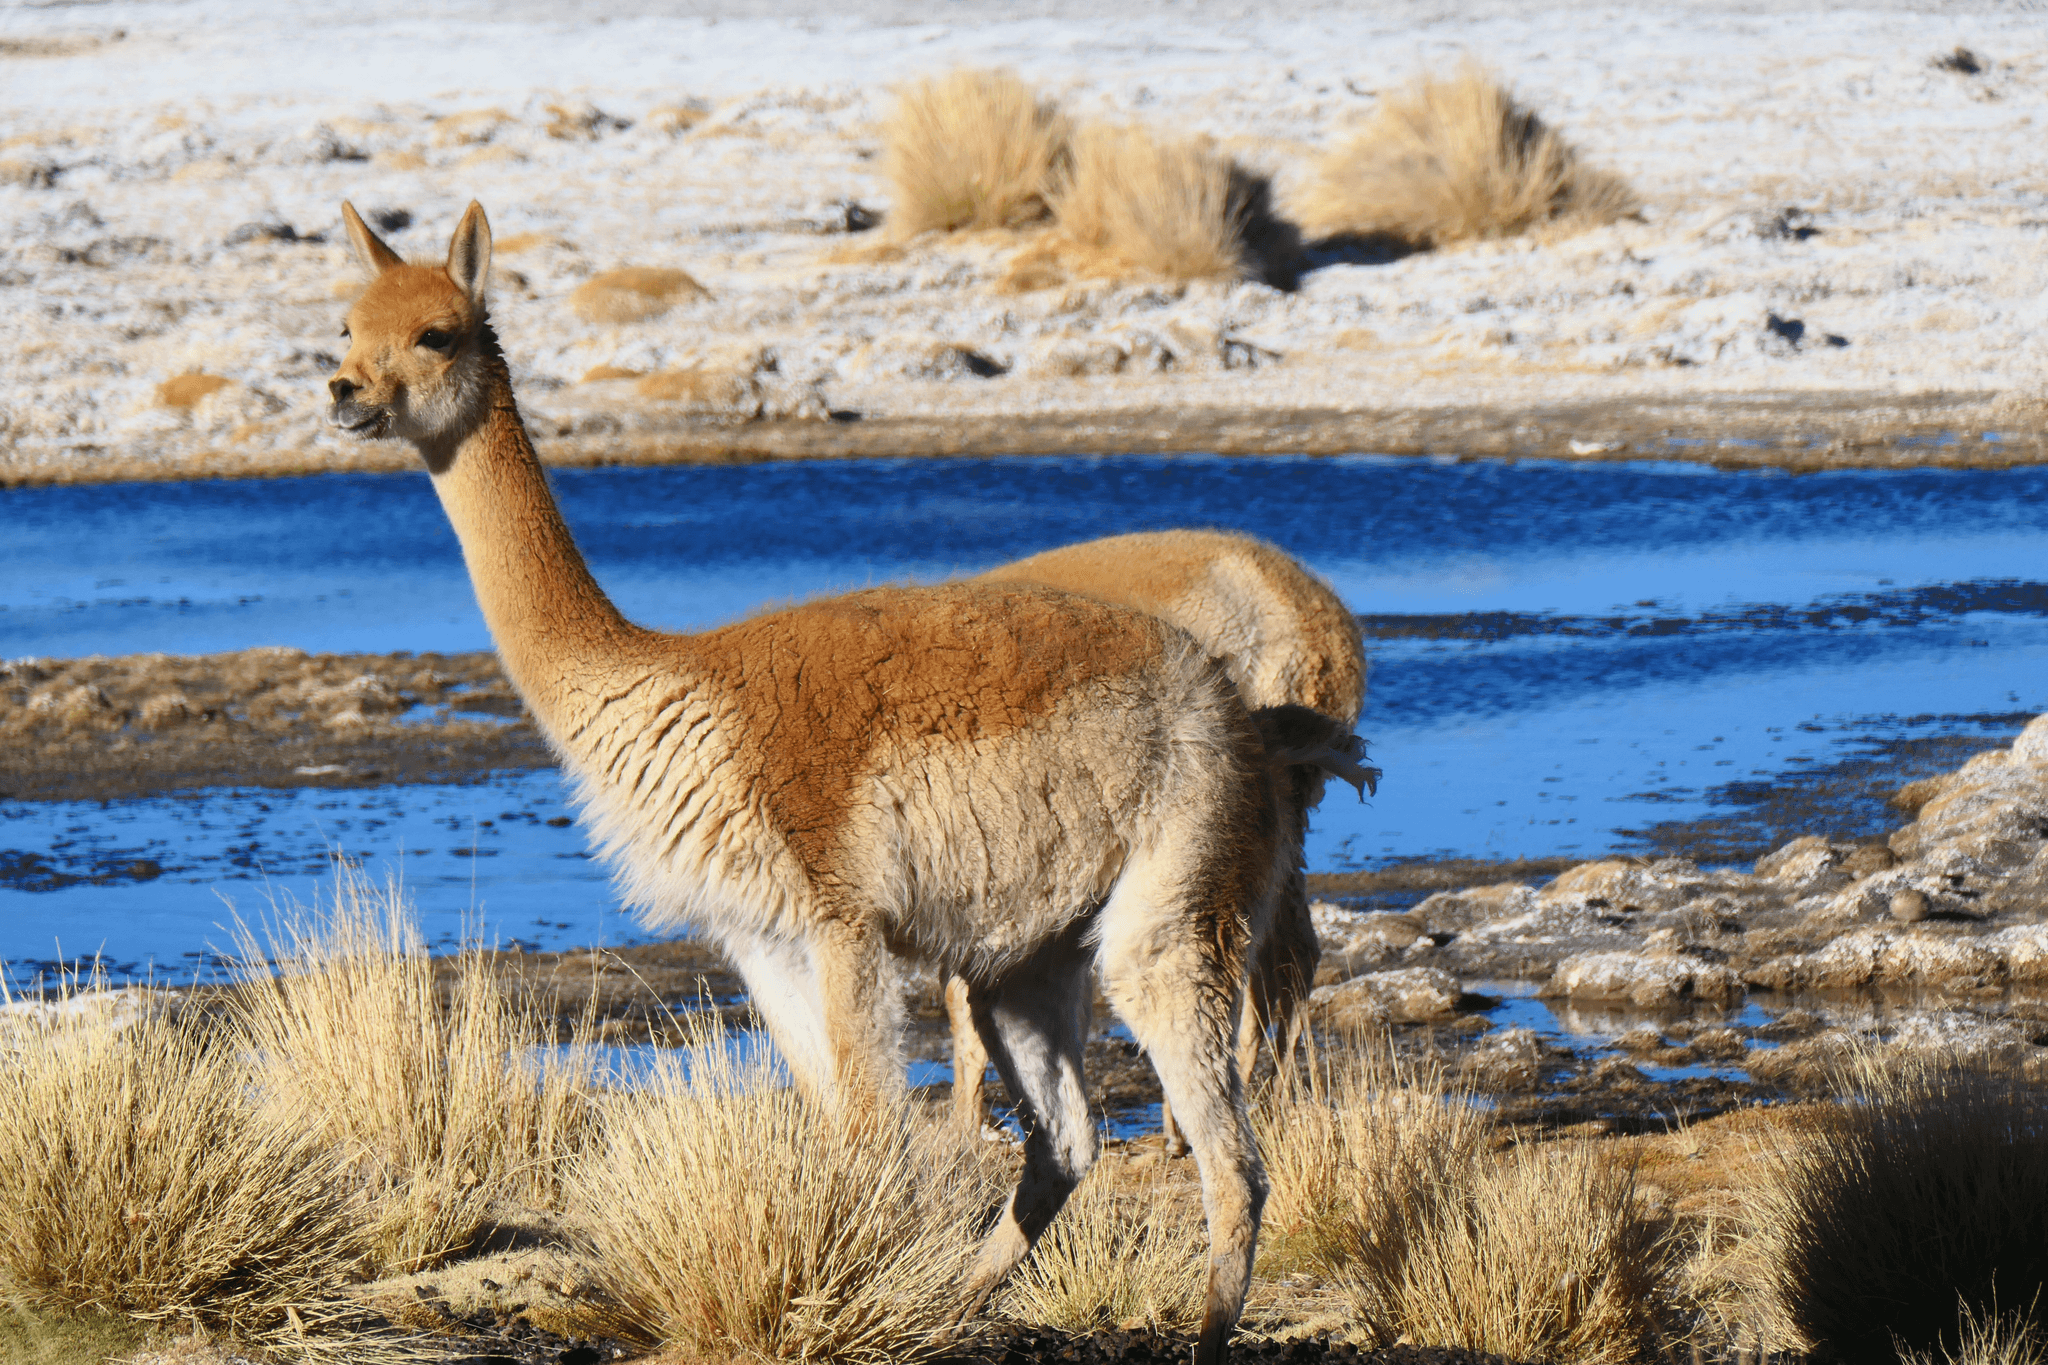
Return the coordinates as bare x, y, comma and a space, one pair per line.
1011, 783
1285, 639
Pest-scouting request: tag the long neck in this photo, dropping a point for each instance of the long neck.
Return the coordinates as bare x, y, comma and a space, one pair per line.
554, 627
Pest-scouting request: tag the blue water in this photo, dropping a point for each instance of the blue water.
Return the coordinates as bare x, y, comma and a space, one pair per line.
1561, 653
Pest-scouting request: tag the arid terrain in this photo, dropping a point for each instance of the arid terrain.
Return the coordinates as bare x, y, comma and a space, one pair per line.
1837, 257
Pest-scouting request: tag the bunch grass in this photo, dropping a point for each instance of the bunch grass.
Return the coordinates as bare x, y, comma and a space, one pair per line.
139, 1182
1128, 1254
1131, 200
1393, 1185
1903, 1218
972, 149
733, 1217
448, 1101
1453, 159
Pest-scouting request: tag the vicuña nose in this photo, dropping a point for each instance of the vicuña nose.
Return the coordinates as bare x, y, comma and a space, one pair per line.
342, 388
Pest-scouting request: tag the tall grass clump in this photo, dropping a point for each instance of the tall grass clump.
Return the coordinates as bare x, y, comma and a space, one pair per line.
138, 1180
1985, 1339
433, 1093
1132, 200
1391, 1186
1925, 1188
731, 1216
1124, 1254
1453, 159
970, 149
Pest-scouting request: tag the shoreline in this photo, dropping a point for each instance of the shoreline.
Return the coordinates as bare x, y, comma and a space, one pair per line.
1794, 432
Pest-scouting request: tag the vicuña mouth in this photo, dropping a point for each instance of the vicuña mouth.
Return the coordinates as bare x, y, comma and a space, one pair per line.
360, 422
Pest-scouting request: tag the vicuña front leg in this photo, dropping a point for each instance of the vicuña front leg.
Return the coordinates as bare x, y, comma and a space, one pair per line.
1035, 1024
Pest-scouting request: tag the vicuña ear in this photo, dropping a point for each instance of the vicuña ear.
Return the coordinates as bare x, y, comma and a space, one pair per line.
370, 249
469, 253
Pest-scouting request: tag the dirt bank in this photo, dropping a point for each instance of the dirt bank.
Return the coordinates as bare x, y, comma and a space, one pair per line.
1796, 432
107, 728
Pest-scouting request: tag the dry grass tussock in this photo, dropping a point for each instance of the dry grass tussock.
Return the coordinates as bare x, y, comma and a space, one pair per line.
731, 1217
435, 1096
1133, 201
1984, 1339
1130, 1254
1455, 159
138, 1181
1392, 1186
1926, 1186
970, 149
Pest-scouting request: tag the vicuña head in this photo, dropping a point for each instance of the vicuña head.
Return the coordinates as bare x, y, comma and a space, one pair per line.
420, 349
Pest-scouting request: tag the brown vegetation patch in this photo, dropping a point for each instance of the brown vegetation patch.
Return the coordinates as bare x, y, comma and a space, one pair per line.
185, 390
597, 374
137, 1179
634, 293
1925, 1194
1134, 202
136, 724
835, 1237
512, 243
970, 149
1456, 159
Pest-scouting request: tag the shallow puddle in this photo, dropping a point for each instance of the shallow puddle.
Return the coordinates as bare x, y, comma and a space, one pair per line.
1567, 659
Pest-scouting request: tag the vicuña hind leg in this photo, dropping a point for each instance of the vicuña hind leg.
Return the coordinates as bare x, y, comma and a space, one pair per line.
1035, 1026
1167, 972
970, 1057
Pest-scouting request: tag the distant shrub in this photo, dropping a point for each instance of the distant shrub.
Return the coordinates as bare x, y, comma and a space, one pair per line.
1132, 201
970, 149
1454, 159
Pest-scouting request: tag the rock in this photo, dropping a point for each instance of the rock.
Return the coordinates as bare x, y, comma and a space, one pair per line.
1510, 1059
1452, 912
1890, 957
1804, 866
1909, 906
1624, 887
2022, 892
2032, 745
1409, 995
1865, 859
1644, 981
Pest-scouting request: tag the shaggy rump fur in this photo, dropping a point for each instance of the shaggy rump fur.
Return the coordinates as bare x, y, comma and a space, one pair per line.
970, 149
1929, 1183
1456, 159
734, 1218
1134, 201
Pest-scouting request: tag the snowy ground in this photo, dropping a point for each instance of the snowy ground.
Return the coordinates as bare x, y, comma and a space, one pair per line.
1805, 171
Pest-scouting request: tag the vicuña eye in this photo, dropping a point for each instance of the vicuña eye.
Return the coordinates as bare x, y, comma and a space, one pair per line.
344, 330
436, 340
